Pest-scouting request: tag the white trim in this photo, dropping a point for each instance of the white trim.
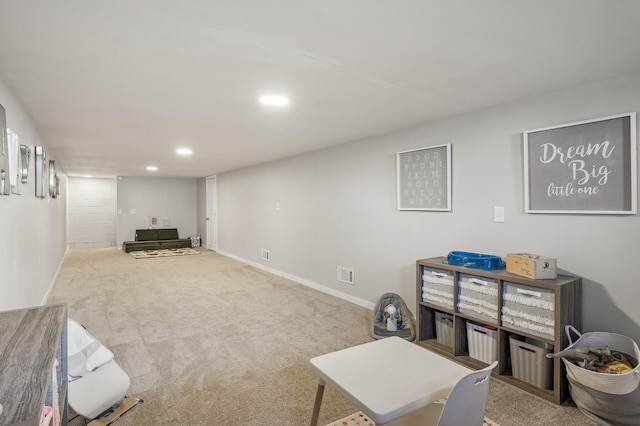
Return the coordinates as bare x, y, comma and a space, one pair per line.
55, 278
305, 282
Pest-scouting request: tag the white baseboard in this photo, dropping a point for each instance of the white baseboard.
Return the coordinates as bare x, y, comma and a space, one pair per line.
305, 282
55, 278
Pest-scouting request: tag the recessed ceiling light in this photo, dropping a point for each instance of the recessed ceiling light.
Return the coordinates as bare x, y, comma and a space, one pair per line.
275, 100
184, 151
152, 168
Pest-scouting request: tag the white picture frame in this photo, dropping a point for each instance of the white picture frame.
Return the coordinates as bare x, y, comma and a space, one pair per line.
586, 167
423, 178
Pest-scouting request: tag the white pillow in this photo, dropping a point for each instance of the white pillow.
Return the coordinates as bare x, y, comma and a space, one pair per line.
84, 352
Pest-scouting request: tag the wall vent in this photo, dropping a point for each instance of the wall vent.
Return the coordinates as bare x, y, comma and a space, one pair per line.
265, 255
346, 275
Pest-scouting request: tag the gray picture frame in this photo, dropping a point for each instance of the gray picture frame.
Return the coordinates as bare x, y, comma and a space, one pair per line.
587, 167
423, 178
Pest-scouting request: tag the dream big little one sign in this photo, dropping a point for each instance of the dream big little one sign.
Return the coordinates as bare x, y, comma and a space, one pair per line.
587, 167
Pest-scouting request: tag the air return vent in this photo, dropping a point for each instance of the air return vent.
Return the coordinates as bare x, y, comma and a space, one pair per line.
346, 275
264, 253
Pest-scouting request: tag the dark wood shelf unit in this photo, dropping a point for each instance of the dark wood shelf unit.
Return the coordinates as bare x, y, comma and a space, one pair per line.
565, 292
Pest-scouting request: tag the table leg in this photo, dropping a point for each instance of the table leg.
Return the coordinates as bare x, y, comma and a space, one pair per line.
317, 403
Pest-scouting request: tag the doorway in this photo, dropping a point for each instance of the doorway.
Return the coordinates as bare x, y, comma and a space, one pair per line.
212, 214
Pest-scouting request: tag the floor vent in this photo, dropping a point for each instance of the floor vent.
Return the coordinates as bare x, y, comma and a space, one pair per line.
346, 275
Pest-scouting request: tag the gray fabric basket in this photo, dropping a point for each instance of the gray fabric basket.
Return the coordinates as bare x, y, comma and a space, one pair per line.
607, 399
606, 408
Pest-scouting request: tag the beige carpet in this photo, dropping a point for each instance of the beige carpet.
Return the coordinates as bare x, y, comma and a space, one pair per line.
208, 340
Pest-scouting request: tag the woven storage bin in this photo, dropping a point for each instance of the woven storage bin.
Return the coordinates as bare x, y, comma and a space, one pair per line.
618, 384
529, 362
482, 343
444, 329
605, 398
529, 309
437, 287
478, 296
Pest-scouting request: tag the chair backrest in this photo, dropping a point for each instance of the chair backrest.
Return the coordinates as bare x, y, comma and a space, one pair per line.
467, 401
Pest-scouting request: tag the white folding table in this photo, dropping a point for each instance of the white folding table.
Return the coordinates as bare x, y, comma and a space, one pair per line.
386, 378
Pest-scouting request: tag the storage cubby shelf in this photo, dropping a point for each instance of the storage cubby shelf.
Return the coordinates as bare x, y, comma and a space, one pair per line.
530, 310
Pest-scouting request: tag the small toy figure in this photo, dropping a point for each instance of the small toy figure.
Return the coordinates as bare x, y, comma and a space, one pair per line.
391, 317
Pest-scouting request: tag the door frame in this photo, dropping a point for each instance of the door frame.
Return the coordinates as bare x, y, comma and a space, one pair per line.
212, 211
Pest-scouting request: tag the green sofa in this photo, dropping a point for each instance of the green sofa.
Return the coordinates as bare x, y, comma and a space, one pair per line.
155, 239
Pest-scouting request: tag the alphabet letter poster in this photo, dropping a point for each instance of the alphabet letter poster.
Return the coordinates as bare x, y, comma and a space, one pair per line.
424, 178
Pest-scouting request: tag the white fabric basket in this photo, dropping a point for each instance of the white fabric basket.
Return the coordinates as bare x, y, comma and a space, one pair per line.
618, 384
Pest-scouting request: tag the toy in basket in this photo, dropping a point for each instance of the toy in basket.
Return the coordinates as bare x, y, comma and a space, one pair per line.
605, 398
596, 353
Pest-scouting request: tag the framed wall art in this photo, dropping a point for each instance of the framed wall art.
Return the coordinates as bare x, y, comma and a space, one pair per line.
14, 161
588, 167
40, 172
5, 169
54, 186
424, 178
25, 154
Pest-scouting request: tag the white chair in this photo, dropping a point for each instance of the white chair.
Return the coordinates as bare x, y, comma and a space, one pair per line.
97, 384
465, 405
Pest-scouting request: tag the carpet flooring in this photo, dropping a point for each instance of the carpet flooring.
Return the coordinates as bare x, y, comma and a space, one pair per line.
208, 340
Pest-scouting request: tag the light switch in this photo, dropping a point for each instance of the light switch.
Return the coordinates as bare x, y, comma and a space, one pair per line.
498, 214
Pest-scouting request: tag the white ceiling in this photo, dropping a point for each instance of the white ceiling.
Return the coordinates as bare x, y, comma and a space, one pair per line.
113, 86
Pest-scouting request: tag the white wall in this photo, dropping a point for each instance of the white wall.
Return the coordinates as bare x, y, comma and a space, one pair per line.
337, 207
175, 200
33, 231
92, 212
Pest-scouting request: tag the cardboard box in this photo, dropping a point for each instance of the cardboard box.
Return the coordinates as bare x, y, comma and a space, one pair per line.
532, 266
